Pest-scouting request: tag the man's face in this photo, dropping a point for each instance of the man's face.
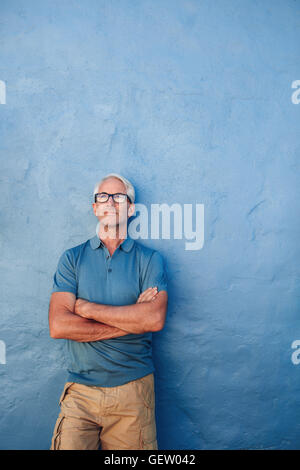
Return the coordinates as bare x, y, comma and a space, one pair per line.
112, 213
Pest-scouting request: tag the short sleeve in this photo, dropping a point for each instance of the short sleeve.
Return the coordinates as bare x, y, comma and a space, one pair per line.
64, 279
156, 274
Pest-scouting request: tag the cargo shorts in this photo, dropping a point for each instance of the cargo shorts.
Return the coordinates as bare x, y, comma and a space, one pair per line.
107, 418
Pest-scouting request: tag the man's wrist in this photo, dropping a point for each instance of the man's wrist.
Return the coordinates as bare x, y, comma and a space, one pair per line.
89, 308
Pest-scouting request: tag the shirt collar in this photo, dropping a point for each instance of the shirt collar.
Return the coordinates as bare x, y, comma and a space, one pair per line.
126, 245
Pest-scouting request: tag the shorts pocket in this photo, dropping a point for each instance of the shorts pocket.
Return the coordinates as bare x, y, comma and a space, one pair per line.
148, 437
147, 390
55, 444
65, 390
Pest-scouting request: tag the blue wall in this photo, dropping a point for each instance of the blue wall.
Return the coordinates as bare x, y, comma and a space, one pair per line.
192, 101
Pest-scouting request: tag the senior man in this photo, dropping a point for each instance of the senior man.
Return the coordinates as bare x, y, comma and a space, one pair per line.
109, 295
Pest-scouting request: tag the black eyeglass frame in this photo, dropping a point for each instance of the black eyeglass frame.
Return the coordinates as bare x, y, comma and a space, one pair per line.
112, 197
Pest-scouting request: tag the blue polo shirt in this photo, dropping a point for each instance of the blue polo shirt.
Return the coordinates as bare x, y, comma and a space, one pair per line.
92, 274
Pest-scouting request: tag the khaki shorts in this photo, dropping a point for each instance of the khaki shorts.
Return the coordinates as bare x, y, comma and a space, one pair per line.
114, 418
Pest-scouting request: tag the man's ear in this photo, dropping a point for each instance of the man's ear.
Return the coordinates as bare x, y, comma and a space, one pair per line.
131, 210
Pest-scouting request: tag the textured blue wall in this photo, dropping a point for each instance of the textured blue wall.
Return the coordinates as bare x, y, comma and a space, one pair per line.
190, 100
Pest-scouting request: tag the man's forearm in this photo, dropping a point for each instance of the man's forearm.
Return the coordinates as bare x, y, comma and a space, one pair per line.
135, 318
76, 328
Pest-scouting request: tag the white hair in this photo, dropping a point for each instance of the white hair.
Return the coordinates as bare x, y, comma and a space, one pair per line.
129, 187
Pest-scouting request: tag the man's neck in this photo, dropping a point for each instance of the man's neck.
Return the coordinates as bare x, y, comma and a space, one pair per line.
113, 237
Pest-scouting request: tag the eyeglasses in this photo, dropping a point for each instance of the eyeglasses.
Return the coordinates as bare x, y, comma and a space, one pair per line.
117, 197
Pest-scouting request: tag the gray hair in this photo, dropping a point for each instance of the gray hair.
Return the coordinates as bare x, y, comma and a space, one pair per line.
129, 187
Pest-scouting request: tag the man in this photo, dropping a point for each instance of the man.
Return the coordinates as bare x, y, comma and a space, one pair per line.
109, 295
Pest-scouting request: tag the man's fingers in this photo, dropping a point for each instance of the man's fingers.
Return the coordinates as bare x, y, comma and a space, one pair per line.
150, 289
147, 295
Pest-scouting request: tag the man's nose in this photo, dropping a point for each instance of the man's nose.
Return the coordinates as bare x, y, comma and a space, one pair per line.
110, 201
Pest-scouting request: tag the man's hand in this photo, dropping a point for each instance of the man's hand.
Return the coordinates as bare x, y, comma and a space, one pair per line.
82, 306
148, 295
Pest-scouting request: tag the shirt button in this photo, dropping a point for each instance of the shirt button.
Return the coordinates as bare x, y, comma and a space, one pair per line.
110, 270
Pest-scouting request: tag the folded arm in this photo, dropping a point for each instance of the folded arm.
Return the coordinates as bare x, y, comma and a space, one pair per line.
65, 324
135, 318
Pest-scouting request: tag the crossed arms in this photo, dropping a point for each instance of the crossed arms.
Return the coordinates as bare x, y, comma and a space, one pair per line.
83, 321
